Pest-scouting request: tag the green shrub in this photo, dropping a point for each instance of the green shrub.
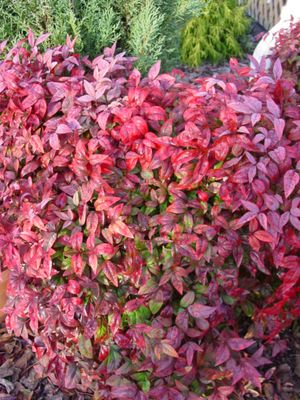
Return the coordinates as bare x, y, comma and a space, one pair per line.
148, 29
216, 34
55, 16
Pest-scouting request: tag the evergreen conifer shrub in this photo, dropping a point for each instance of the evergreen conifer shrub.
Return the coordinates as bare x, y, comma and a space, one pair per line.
215, 35
147, 29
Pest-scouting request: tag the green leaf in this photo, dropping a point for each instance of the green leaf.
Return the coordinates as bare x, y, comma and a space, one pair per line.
155, 306
142, 379
187, 299
248, 308
85, 347
228, 299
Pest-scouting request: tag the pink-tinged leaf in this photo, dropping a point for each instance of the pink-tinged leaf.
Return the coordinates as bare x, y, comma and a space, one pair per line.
278, 155
63, 129
49, 240
36, 144
246, 218
263, 220
284, 219
198, 310
240, 107
31, 38
95, 159
104, 202
102, 119
222, 355
295, 222
177, 282
258, 263
29, 168
277, 69
255, 118
187, 299
154, 70
125, 392
273, 108
225, 391
76, 241
149, 287
54, 141
250, 206
238, 344
105, 249
271, 202
92, 222
167, 349
279, 125
264, 236
120, 228
93, 263
42, 38
290, 181
89, 88
110, 271
29, 101
77, 264
85, 98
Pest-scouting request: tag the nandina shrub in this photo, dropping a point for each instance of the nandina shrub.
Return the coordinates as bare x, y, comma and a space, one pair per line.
287, 49
150, 226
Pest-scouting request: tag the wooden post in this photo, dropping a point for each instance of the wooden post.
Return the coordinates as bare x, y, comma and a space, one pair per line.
266, 12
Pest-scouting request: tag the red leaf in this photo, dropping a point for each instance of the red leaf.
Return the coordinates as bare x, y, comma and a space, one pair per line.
104, 202
222, 355
30, 167
264, 236
154, 70
121, 228
198, 310
167, 349
89, 88
54, 141
279, 125
105, 249
77, 264
277, 69
110, 272
238, 344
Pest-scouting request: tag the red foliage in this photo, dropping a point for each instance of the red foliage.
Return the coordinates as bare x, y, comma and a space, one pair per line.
151, 226
287, 49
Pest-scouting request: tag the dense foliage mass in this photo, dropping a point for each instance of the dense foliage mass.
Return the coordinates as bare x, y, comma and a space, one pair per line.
150, 226
287, 49
216, 35
148, 29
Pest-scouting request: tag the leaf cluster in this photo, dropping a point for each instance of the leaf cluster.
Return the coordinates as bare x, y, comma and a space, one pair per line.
151, 226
